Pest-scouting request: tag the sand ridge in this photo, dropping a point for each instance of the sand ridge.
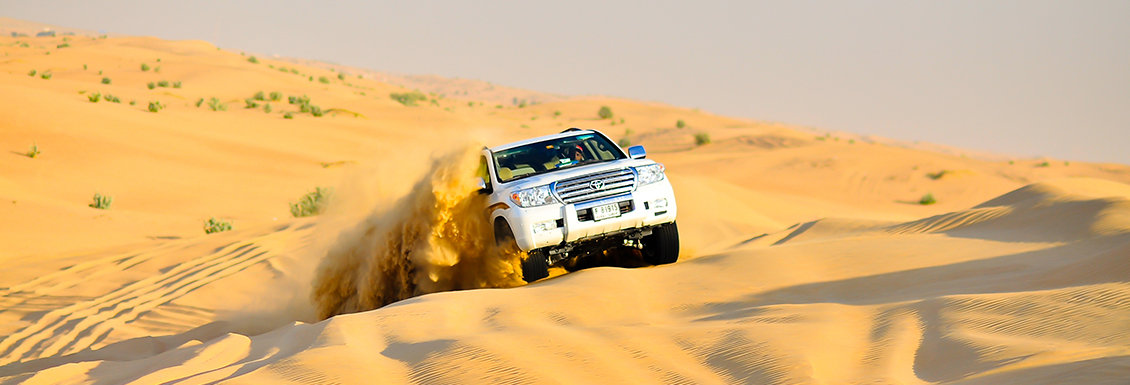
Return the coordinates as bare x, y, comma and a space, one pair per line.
807, 258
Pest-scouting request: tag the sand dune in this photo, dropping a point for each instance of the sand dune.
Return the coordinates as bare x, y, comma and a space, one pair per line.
807, 258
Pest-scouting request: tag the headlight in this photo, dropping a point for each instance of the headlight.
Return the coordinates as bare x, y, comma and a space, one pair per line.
651, 173
531, 197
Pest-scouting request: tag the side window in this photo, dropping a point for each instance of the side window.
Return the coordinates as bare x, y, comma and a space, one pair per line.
483, 171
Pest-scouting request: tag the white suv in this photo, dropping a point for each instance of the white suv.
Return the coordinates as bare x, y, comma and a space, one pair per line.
576, 194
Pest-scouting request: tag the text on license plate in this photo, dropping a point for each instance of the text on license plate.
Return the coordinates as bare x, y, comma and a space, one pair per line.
611, 210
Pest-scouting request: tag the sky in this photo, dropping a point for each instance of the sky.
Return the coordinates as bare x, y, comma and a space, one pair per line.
1023, 78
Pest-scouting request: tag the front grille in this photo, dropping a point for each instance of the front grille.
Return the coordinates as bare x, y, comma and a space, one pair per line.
580, 189
585, 215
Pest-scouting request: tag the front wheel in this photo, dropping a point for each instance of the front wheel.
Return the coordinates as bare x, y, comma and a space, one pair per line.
534, 266
662, 246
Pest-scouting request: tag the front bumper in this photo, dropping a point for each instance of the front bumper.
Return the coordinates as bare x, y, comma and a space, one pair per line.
648, 205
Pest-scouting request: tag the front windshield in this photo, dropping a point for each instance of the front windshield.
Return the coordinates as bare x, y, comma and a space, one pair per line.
554, 154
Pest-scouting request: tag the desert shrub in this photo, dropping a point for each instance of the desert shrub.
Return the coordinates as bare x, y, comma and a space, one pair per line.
323, 79
163, 83
313, 203
33, 151
157, 69
250, 103
701, 138
132, 102
605, 112
927, 199
253, 60
409, 98
624, 142
288, 115
258, 96
267, 108
144, 67
155, 106
316, 111
216, 105
112, 98
1045, 164
213, 225
31, 73
275, 96
299, 100
151, 85
102, 202
680, 124
283, 69
176, 84
341, 76
45, 75
64, 45
199, 102
84, 67
556, 113
294, 71
94, 98
105, 80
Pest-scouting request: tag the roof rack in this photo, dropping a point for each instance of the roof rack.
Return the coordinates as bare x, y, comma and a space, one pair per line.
571, 129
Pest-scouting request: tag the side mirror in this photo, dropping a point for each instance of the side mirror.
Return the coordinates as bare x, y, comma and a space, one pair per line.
636, 152
482, 186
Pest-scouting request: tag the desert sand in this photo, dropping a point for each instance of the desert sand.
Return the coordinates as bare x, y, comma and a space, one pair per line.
807, 258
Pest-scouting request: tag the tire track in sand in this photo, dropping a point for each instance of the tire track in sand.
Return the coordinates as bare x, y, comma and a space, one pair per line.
80, 325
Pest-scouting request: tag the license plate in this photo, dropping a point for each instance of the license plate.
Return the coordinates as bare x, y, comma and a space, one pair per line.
611, 210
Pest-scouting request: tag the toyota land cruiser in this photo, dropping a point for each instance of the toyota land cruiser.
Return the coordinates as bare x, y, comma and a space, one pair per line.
577, 194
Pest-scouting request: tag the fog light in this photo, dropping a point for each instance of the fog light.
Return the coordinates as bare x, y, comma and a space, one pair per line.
659, 203
546, 226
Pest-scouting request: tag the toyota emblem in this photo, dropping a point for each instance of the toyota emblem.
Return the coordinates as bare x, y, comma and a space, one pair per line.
596, 184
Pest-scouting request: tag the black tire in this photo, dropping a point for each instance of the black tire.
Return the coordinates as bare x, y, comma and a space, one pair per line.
662, 246
534, 267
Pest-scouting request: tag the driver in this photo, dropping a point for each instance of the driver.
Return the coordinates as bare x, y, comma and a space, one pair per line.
575, 153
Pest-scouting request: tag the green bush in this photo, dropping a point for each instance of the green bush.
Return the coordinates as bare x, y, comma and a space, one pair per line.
605, 112
32, 73
323, 79
45, 75
151, 85
288, 115
680, 124
176, 84
408, 98
275, 96
250, 103
701, 138
102, 202
213, 225
155, 106
199, 102
94, 98
258, 96
253, 60
132, 102
556, 113
927, 199
144, 67
267, 108
313, 203
105, 80
33, 152
112, 98
64, 45
163, 83
341, 76
316, 111
216, 105
157, 69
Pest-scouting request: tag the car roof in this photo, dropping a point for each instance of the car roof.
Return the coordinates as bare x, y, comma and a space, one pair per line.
563, 134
